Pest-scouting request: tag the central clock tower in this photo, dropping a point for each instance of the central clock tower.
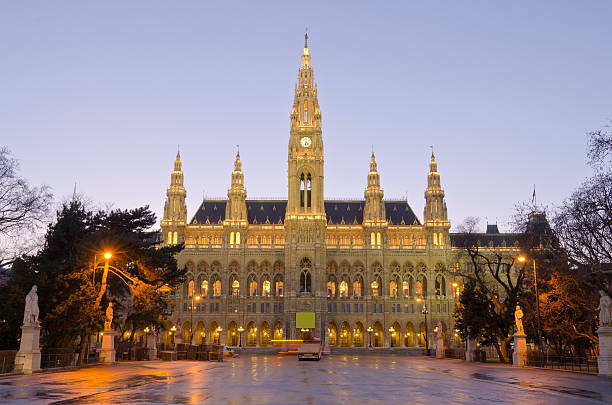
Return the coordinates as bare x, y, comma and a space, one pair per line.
305, 221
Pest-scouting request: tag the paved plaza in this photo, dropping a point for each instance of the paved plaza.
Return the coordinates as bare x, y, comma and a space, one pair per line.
280, 379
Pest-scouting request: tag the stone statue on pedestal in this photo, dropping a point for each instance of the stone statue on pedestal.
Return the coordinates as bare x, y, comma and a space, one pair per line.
518, 319
30, 314
109, 317
439, 330
604, 308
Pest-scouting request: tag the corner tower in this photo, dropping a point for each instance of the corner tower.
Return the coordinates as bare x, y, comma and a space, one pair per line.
305, 223
175, 210
436, 216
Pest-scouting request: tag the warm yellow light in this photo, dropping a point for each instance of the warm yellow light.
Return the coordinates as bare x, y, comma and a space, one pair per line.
240, 329
419, 299
197, 297
173, 328
146, 330
107, 255
455, 285
521, 259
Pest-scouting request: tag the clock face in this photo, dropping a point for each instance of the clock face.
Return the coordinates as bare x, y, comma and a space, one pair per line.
306, 142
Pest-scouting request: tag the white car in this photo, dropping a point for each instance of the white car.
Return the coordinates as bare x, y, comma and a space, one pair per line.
229, 352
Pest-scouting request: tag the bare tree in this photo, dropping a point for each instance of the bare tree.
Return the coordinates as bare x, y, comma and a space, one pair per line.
23, 209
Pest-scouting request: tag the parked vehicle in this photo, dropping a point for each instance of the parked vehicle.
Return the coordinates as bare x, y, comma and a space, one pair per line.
229, 352
310, 351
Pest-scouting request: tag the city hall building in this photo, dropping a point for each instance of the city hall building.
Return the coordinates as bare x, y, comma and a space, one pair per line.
364, 268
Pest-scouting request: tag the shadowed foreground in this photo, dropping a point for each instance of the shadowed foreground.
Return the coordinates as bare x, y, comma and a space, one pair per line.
344, 379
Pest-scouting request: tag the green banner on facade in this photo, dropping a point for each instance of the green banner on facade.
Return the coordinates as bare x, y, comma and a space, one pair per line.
305, 320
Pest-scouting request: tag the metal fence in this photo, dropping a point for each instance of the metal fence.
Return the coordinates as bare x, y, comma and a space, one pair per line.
7, 361
64, 357
585, 364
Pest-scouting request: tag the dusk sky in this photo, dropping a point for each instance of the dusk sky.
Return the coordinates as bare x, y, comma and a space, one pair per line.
101, 93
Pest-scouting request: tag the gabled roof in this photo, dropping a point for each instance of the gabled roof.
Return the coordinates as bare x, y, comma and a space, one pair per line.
273, 212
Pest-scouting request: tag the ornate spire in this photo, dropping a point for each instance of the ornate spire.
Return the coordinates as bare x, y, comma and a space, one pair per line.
235, 209
374, 206
177, 162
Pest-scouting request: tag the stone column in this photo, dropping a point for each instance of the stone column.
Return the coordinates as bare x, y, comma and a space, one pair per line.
440, 347
469, 351
604, 360
519, 357
152, 345
27, 359
107, 354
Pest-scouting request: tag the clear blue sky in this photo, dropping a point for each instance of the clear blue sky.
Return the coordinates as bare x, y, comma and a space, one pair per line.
101, 93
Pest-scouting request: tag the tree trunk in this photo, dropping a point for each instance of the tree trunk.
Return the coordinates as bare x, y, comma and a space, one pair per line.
499, 352
84, 349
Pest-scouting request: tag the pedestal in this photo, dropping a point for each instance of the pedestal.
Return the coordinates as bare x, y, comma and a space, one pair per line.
440, 348
604, 360
152, 345
107, 355
469, 351
519, 357
27, 359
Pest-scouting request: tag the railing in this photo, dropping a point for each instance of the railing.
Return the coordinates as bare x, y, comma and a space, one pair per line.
65, 357
7, 361
585, 364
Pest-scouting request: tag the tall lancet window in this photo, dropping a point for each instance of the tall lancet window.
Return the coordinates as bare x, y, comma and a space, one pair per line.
302, 180
305, 112
309, 193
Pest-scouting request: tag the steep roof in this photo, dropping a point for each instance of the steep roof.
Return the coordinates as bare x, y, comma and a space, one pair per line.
273, 212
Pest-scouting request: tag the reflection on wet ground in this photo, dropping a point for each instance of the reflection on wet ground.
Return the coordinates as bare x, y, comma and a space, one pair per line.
274, 379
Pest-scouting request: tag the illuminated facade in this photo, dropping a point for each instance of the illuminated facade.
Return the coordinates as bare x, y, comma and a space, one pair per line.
356, 264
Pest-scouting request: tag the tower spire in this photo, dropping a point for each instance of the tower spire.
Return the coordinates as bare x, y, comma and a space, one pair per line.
306, 39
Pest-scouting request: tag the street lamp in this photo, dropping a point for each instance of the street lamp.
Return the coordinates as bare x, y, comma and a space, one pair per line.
197, 298
391, 333
172, 330
523, 259
424, 312
240, 330
370, 330
219, 329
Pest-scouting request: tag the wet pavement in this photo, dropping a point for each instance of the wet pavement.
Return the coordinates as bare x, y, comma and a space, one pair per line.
280, 379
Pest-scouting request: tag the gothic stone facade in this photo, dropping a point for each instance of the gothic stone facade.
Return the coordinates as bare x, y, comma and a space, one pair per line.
357, 265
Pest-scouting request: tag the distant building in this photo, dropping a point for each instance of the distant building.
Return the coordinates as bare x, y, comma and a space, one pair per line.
354, 264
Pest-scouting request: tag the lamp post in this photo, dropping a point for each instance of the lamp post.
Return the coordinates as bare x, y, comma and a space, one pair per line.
424, 312
172, 330
370, 330
522, 259
240, 330
219, 329
197, 298
391, 333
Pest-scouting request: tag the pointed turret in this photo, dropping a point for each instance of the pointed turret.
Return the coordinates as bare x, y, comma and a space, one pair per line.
175, 210
374, 206
235, 210
435, 215
374, 217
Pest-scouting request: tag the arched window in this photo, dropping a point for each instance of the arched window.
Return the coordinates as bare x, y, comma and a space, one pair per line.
252, 286
305, 281
331, 287
373, 239
190, 288
393, 289
441, 239
305, 277
435, 239
305, 106
343, 289
375, 288
231, 238
175, 239
217, 288
204, 288
169, 240
378, 239
235, 288
237, 238
405, 288
358, 287
440, 286
265, 288
279, 286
